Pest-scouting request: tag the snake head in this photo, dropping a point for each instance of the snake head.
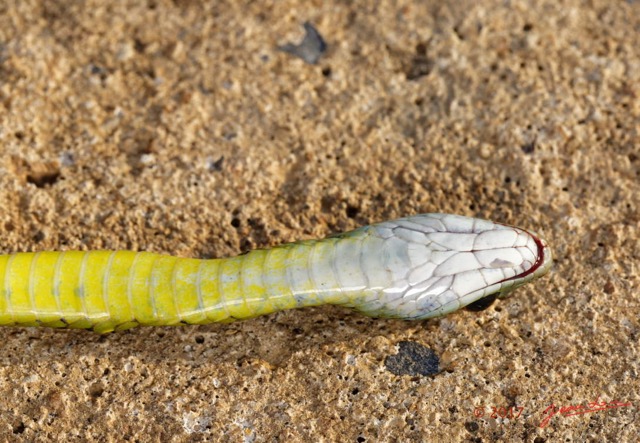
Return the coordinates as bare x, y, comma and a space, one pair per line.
433, 264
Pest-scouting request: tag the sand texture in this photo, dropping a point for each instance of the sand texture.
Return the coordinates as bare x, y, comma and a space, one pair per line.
180, 127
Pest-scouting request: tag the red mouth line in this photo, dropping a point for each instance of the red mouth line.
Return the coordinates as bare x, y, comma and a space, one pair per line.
536, 265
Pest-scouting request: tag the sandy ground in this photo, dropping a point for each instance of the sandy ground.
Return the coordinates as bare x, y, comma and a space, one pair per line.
179, 127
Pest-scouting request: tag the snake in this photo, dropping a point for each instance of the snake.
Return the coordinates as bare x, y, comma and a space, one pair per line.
413, 268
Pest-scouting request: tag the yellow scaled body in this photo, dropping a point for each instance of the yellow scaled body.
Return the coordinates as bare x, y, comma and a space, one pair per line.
117, 290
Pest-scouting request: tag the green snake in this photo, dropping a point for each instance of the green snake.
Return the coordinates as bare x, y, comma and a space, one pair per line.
412, 268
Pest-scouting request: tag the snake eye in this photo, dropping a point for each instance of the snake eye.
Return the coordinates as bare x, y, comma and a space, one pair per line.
482, 304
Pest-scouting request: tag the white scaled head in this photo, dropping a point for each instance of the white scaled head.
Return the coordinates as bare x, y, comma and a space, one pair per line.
434, 264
